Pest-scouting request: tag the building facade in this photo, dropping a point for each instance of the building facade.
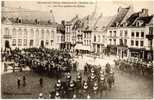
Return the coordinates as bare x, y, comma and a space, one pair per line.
133, 36
24, 28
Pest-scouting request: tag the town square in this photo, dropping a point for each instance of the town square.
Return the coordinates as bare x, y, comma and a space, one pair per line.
47, 55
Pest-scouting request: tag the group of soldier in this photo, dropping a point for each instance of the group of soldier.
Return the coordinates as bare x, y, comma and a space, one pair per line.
93, 85
137, 66
39, 60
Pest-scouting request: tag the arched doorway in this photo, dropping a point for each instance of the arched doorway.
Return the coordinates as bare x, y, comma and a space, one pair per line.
42, 44
7, 44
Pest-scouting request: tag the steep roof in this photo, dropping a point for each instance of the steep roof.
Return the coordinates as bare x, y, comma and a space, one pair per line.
145, 20
104, 21
119, 17
132, 18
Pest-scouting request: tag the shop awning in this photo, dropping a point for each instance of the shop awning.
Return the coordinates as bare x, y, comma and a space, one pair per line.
82, 47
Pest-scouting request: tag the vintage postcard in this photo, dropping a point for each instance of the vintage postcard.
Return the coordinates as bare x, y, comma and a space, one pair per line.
77, 49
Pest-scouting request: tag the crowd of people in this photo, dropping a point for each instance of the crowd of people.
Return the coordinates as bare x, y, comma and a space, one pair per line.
93, 83
41, 60
137, 66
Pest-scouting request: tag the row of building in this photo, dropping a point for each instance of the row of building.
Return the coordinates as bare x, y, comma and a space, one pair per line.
127, 34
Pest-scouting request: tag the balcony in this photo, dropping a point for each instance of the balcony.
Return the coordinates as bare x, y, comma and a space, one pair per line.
149, 36
7, 36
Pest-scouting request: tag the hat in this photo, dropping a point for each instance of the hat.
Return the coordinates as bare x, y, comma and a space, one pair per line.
57, 94
59, 81
74, 95
85, 83
95, 84
102, 78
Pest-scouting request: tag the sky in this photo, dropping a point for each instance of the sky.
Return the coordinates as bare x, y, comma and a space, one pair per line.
106, 7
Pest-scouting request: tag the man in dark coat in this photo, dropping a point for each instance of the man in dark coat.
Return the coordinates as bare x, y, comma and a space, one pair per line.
24, 81
18, 82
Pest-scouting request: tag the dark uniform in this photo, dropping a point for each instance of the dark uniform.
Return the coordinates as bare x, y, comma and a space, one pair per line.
71, 90
85, 90
24, 81
41, 82
18, 82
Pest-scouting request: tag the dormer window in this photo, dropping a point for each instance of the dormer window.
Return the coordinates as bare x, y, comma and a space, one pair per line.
139, 23
19, 20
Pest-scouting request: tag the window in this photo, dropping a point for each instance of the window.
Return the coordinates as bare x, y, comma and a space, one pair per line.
150, 43
25, 42
137, 34
84, 35
42, 34
142, 34
85, 42
14, 32
120, 41
132, 42
14, 42
52, 34
132, 34
31, 42
32, 33
20, 32
19, 42
150, 30
25, 33
94, 38
51, 42
125, 33
115, 33
114, 41
110, 33
125, 41
142, 43
47, 42
110, 41
6, 31
48, 34
99, 38
121, 32
136, 43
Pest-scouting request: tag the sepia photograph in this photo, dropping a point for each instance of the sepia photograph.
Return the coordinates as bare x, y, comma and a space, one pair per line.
77, 49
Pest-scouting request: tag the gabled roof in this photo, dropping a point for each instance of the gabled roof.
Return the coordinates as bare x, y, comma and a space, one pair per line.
119, 17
